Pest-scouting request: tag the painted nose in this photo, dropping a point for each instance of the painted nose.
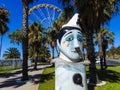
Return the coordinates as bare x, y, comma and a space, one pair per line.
77, 49
76, 44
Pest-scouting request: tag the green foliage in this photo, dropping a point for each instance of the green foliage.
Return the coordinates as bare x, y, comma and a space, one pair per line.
16, 36
35, 39
11, 53
3, 20
44, 52
106, 35
114, 52
59, 22
3, 24
35, 34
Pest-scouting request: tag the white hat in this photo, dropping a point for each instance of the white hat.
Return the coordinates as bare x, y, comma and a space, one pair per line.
73, 22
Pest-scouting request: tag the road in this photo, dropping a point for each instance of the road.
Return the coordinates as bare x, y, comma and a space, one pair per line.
109, 63
112, 63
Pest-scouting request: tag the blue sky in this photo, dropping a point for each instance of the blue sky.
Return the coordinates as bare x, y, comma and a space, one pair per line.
15, 10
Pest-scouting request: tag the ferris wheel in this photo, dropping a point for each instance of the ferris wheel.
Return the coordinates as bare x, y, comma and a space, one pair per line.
45, 14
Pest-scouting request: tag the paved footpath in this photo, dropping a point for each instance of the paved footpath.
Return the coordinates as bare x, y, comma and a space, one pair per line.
12, 81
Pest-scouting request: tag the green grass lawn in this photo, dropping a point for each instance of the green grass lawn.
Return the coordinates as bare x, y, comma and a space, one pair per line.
111, 76
4, 70
47, 81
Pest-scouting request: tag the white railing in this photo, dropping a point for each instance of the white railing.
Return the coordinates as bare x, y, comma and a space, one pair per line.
12, 63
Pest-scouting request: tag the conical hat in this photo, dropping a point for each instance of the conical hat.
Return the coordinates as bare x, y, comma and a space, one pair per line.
73, 22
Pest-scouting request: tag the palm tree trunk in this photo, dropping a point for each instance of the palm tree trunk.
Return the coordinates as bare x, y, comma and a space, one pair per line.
0, 45
36, 58
100, 49
104, 55
35, 66
25, 42
91, 56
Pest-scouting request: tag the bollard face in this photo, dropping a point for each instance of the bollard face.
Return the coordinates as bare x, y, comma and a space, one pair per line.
70, 76
71, 45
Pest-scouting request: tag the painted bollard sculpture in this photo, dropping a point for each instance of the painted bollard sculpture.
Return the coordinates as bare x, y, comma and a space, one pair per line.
69, 70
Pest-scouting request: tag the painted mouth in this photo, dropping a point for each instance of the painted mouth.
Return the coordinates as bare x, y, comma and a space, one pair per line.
75, 51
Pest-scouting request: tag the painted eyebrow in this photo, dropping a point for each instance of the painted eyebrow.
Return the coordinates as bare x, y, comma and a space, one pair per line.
67, 34
79, 32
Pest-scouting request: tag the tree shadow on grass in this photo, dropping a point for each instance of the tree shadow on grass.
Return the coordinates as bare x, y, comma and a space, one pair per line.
109, 75
105, 75
47, 77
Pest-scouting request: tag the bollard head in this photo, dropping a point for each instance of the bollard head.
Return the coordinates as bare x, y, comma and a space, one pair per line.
69, 40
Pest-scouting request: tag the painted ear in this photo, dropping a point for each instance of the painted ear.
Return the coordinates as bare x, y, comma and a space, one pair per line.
58, 44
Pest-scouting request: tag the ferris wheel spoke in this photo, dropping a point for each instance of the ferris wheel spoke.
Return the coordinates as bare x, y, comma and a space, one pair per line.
59, 14
41, 13
53, 16
44, 13
49, 16
44, 21
36, 16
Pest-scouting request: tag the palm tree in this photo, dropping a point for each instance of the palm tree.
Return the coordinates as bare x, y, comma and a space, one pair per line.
92, 14
44, 52
51, 35
57, 24
105, 11
118, 51
16, 36
112, 52
68, 9
3, 26
87, 22
107, 38
25, 38
51, 39
35, 39
100, 12
11, 53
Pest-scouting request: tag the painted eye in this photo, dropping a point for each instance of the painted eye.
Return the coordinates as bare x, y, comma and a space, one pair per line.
79, 39
69, 39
